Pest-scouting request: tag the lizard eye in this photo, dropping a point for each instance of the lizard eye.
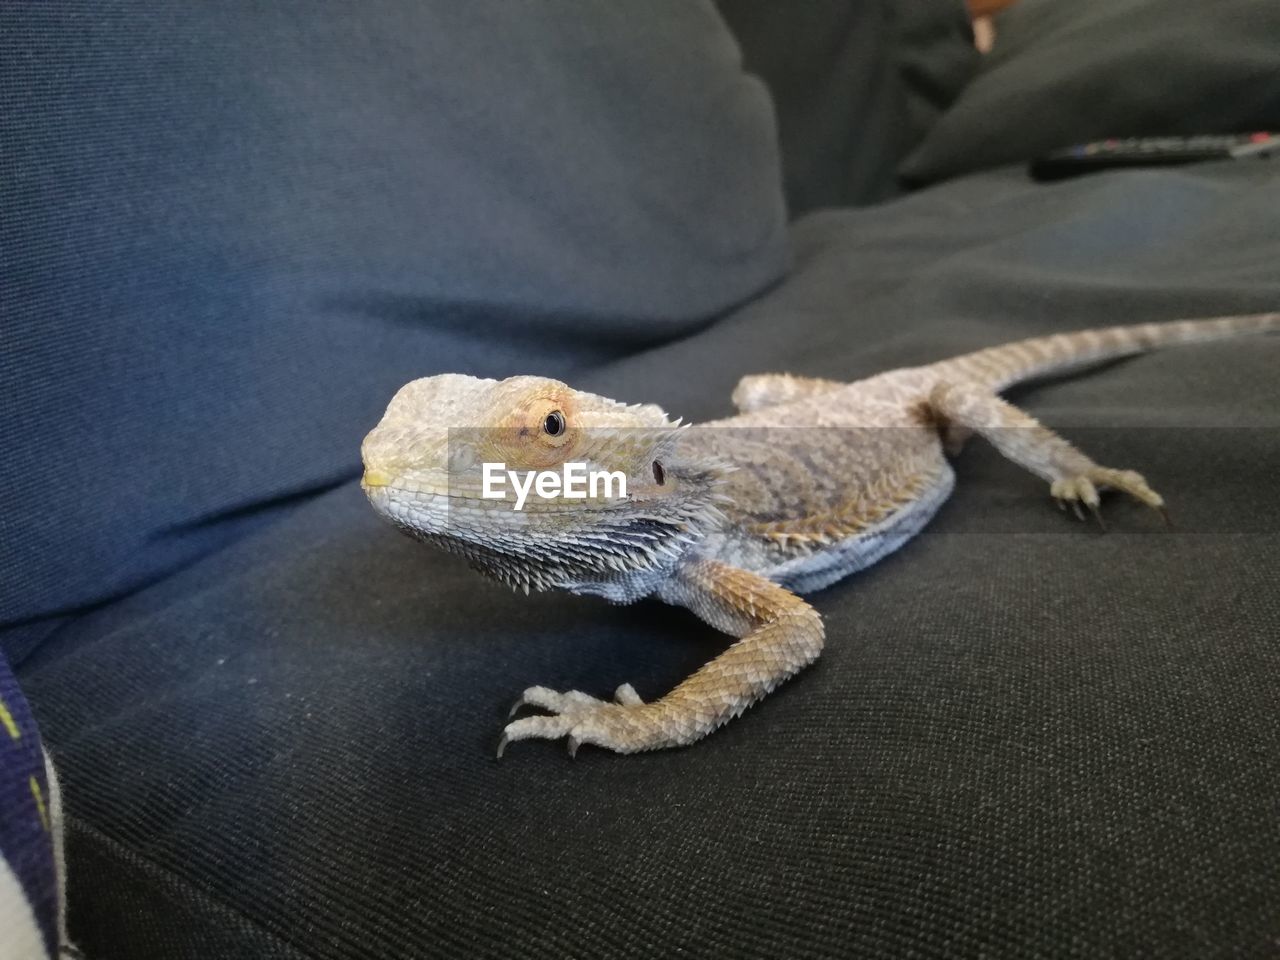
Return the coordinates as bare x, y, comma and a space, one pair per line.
659, 475
554, 424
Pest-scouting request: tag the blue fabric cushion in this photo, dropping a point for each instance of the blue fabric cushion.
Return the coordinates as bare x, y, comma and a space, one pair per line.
231, 230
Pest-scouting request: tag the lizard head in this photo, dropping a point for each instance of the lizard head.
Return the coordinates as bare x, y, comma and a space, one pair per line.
452, 454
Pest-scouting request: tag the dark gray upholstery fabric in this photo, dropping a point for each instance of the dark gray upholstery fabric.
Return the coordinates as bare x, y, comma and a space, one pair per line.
1026, 738
857, 84
1067, 73
229, 230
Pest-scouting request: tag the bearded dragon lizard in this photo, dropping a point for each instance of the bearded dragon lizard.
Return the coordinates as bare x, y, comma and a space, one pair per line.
734, 519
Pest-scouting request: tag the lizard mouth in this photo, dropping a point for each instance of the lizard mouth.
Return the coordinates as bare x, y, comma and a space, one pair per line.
394, 481
417, 512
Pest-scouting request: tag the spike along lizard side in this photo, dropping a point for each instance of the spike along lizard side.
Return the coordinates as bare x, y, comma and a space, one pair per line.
734, 519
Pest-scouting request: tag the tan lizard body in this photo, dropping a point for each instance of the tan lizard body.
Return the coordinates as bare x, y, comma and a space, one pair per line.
733, 519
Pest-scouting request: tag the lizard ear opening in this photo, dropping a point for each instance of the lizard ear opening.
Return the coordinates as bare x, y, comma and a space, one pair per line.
659, 475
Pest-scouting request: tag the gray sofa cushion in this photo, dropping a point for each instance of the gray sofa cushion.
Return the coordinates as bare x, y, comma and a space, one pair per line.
1025, 737
231, 230
857, 84
1064, 73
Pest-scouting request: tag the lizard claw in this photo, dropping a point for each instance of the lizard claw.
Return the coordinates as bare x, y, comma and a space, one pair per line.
573, 744
502, 744
1097, 515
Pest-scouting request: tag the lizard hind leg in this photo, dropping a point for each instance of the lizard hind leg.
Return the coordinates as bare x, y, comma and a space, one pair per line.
1073, 477
779, 634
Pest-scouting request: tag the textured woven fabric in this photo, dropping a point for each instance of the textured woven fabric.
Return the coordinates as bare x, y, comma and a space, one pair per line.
1025, 738
237, 229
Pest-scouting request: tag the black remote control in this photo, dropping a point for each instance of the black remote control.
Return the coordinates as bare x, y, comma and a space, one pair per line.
1152, 151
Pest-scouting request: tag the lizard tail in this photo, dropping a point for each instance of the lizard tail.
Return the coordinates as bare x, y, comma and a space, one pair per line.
1001, 367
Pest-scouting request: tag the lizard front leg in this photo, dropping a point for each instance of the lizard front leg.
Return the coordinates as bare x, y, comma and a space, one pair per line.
1073, 477
779, 632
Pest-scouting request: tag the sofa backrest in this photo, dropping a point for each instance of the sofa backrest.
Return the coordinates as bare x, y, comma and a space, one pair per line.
229, 231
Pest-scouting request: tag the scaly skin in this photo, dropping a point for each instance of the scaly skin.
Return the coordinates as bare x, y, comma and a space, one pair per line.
733, 519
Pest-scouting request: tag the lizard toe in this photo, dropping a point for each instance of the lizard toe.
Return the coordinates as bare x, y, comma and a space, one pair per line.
540, 727
627, 696
552, 701
1129, 481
